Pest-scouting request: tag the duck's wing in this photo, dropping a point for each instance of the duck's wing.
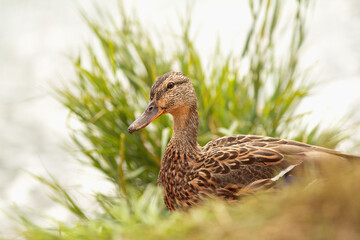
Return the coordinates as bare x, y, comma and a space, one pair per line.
241, 164
246, 150
268, 151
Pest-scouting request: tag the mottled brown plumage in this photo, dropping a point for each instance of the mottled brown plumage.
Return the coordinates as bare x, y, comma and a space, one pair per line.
228, 167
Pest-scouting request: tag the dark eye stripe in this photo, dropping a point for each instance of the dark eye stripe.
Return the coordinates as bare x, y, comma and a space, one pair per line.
161, 92
175, 83
179, 83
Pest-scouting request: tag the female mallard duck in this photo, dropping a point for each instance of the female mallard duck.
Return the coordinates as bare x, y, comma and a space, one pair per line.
227, 167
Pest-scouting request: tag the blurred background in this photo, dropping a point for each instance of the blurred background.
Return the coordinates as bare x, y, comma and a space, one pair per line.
37, 36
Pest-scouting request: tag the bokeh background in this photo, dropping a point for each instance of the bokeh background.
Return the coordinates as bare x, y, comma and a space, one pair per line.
37, 36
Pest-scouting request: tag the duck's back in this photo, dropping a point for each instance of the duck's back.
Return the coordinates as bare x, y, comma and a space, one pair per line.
244, 163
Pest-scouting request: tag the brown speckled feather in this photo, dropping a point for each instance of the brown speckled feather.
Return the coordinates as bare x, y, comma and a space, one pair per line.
225, 168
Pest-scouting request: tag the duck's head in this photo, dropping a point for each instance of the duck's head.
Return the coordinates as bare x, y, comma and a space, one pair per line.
171, 93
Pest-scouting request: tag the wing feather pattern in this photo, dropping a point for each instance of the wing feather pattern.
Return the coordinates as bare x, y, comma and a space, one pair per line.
243, 164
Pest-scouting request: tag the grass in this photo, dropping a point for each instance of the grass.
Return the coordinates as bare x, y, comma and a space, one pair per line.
257, 95
327, 208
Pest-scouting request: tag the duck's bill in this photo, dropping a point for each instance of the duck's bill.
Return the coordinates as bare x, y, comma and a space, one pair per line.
151, 113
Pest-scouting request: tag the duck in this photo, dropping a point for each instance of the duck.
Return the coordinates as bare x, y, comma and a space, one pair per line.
225, 168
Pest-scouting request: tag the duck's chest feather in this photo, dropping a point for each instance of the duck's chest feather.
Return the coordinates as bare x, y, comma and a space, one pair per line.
176, 175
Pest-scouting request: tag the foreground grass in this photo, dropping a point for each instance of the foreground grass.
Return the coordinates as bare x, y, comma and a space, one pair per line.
326, 208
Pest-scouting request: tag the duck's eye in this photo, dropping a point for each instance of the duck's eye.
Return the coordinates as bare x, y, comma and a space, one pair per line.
170, 85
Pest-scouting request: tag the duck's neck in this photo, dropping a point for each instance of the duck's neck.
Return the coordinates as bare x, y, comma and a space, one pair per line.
186, 124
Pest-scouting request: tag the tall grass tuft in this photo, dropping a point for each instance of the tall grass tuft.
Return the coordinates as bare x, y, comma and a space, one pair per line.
254, 91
